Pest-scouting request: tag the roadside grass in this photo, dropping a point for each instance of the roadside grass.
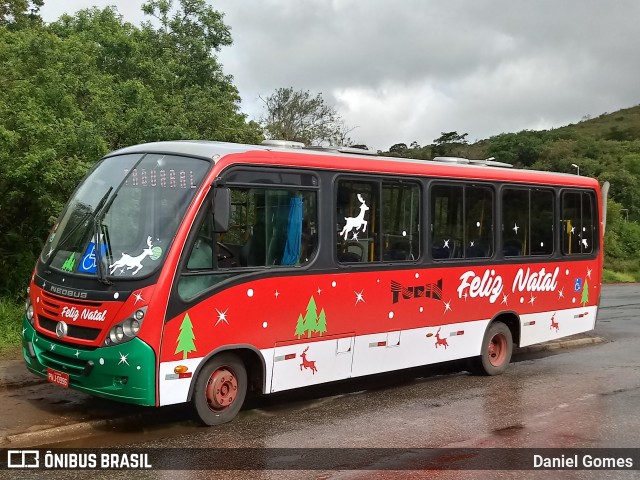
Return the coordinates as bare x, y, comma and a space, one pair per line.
11, 313
610, 276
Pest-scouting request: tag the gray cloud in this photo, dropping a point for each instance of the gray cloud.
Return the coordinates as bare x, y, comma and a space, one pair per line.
408, 70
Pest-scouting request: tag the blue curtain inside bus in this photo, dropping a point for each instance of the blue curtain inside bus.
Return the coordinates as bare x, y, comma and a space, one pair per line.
294, 233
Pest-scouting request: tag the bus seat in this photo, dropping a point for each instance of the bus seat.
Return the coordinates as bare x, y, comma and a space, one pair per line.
439, 251
477, 251
512, 248
253, 253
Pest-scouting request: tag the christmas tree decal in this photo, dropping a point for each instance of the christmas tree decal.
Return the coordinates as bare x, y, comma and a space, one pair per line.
186, 338
585, 293
311, 317
299, 327
68, 264
311, 322
322, 322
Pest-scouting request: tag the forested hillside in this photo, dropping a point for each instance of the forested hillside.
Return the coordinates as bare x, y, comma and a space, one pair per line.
606, 148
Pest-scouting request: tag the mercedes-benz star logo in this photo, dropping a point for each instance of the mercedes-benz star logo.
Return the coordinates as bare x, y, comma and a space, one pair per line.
61, 329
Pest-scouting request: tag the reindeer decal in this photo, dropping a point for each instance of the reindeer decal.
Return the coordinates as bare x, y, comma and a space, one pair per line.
129, 262
441, 341
555, 325
307, 363
356, 222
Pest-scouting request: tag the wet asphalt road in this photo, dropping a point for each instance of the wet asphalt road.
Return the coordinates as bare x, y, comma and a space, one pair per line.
582, 397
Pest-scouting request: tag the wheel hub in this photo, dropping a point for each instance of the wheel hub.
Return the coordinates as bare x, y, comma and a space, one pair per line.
497, 350
221, 389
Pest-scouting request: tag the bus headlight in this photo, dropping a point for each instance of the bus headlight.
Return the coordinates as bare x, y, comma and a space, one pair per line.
116, 334
28, 310
127, 329
131, 326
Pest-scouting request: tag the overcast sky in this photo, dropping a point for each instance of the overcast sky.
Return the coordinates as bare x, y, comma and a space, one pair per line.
407, 70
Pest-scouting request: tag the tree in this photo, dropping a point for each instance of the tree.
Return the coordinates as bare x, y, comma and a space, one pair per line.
299, 116
448, 143
89, 83
19, 13
185, 338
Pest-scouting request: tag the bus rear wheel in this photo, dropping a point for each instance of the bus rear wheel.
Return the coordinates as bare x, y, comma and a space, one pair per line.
497, 347
220, 389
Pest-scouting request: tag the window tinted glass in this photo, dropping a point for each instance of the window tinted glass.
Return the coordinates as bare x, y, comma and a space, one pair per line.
357, 208
577, 223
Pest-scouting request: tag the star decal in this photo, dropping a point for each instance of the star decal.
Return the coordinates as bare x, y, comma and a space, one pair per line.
50, 252
561, 293
222, 317
318, 290
277, 294
53, 347
532, 299
139, 298
23, 330
573, 230
472, 242
589, 272
123, 358
77, 354
355, 236
446, 244
515, 228
505, 299
447, 307
359, 297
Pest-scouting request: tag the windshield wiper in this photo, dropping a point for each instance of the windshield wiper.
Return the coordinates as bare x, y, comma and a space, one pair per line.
99, 229
84, 219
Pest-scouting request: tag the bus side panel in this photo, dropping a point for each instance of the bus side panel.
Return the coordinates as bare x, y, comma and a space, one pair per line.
421, 346
320, 362
545, 326
407, 315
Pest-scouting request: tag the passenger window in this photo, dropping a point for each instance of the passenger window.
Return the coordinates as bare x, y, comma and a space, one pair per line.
478, 224
527, 222
357, 226
577, 223
462, 221
272, 227
400, 221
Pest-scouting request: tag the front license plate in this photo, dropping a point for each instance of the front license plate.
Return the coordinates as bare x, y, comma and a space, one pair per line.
59, 378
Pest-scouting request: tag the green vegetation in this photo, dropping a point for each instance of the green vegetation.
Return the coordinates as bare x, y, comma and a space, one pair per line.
606, 148
90, 83
11, 314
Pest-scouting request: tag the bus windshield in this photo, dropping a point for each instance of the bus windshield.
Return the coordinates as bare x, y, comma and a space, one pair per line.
126, 212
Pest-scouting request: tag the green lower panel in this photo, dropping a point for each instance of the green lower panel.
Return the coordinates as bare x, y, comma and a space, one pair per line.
124, 372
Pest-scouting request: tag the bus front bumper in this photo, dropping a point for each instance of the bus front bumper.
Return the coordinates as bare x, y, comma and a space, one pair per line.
124, 372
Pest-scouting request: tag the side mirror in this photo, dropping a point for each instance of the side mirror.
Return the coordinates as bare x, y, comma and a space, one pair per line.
221, 209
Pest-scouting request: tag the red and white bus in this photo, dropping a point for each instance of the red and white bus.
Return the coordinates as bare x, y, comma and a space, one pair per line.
195, 271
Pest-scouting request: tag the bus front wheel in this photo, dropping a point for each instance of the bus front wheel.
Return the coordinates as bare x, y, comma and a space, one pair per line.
220, 389
497, 347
